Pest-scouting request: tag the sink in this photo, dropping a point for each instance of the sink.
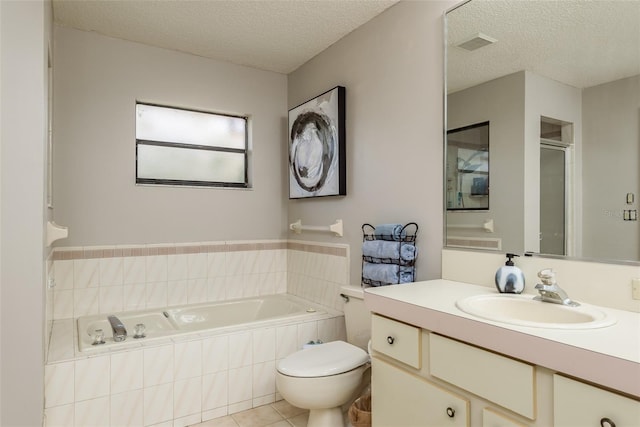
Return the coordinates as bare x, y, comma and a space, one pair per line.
523, 310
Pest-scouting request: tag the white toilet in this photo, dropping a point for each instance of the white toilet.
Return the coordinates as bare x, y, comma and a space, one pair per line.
324, 377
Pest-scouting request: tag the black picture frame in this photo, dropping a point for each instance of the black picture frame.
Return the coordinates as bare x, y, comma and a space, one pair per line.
317, 146
467, 168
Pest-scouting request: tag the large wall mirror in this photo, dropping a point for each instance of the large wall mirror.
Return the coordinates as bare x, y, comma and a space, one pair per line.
558, 84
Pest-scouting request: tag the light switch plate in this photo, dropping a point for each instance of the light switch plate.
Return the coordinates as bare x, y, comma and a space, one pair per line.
635, 288
630, 198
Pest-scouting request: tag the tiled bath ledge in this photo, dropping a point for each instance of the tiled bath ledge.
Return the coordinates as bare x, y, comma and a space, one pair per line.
63, 345
182, 380
92, 252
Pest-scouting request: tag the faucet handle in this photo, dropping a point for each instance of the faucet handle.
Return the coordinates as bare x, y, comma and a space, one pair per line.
547, 276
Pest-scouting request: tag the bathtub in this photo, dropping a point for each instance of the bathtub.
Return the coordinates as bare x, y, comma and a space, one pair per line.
194, 318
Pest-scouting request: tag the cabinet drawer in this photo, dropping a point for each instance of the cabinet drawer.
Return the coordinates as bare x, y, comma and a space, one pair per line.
401, 399
500, 379
578, 404
396, 339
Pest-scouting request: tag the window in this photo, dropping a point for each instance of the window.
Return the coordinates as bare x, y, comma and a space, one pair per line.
185, 147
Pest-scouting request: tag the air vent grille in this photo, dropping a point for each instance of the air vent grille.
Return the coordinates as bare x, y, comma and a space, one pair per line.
476, 42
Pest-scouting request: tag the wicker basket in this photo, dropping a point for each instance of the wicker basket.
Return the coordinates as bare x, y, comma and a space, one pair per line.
360, 412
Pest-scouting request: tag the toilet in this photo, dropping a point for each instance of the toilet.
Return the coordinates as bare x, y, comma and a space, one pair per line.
324, 377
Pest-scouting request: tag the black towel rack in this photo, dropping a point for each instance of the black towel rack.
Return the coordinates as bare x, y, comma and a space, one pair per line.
406, 236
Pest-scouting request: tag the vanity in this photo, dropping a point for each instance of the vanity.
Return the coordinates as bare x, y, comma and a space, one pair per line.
525, 173
434, 364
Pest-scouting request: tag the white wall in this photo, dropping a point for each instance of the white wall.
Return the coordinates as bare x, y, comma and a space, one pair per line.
97, 82
501, 103
392, 70
611, 169
24, 28
607, 285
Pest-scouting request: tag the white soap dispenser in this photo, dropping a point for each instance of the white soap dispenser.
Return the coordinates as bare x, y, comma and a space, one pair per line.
509, 278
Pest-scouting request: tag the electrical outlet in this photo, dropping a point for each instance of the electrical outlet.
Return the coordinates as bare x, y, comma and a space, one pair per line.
635, 288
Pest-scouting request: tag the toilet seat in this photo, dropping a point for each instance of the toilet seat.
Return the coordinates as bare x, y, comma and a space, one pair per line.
323, 360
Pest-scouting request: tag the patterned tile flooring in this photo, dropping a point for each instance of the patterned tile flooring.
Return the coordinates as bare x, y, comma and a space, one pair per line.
278, 414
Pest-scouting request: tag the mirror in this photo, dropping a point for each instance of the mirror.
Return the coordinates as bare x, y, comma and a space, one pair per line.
558, 83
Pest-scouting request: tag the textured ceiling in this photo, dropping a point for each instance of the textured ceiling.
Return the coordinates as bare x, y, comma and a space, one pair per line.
577, 42
274, 35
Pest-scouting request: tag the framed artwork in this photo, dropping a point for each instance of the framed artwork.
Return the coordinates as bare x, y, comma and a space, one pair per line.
317, 154
468, 168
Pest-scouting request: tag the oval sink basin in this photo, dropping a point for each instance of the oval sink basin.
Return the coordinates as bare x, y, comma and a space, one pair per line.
523, 310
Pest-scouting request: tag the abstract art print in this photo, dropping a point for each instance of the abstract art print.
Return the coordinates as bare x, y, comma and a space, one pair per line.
317, 155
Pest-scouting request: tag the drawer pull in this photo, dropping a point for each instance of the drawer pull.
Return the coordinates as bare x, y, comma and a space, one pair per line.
390, 339
607, 422
452, 412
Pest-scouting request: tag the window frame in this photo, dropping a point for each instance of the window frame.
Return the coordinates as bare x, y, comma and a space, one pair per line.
180, 145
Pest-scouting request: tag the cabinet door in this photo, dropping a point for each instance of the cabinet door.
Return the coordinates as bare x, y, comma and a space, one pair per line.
576, 404
401, 399
492, 418
500, 379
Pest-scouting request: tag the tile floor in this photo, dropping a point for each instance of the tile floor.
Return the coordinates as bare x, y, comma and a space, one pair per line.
278, 414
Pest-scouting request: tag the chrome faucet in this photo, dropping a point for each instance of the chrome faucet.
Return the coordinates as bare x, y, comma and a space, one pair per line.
550, 291
119, 331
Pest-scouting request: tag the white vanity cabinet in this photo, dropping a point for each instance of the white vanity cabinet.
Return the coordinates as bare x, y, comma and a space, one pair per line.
576, 404
426, 351
397, 340
424, 379
400, 395
505, 381
402, 399
413, 370
492, 418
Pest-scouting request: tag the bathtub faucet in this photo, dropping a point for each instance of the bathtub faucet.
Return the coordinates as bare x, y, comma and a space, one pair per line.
119, 331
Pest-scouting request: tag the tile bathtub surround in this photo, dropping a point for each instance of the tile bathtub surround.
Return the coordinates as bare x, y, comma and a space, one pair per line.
105, 280
113, 279
181, 382
193, 379
316, 272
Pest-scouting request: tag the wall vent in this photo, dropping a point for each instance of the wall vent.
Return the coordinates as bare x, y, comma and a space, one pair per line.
476, 42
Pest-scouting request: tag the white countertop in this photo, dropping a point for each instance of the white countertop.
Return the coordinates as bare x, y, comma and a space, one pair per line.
609, 356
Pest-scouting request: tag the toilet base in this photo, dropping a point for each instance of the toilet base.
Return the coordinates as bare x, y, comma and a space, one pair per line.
331, 417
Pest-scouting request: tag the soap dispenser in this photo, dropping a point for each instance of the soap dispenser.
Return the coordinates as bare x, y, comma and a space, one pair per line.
509, 278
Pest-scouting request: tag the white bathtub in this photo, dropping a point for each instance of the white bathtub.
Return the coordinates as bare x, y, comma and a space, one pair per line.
171, 321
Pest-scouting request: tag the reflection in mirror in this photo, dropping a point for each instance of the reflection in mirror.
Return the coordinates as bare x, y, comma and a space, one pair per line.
468, 168
556, 148
559, 82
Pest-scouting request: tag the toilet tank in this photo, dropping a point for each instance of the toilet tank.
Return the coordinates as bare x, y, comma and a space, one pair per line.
357, 317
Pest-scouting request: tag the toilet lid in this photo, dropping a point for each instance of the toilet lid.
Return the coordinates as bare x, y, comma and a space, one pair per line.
323, 360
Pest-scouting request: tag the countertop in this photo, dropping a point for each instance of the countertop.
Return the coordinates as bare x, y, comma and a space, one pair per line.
608, 356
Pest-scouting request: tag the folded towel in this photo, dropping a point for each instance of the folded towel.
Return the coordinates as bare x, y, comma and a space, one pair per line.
385, 249
390, 232
406, 274
387, 273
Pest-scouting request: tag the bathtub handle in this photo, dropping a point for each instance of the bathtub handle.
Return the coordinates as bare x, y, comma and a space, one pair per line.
345, 298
